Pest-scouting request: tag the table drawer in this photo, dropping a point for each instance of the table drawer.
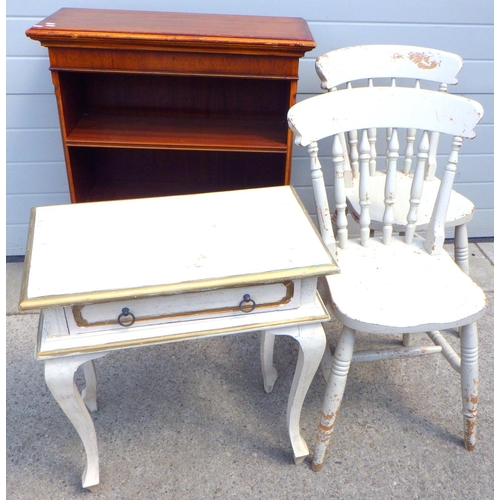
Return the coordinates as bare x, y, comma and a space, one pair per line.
187, 306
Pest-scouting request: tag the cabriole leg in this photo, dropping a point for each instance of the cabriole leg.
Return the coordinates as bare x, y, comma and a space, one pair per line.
89, 394
469, 374
60, 378
326, 363
269, 373
334, 393
312, 343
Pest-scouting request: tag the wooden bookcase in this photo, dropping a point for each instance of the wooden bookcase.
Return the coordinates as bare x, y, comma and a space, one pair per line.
156, 103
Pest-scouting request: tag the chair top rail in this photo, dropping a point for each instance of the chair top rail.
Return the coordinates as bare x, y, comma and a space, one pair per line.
382, 107
387, 61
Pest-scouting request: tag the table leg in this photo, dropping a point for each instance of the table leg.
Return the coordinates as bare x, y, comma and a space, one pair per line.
269, 373
326, 364
312, 343
60, 378
89, 394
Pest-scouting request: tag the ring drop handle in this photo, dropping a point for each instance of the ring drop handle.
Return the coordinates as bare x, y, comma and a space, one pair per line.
124, 314
247, 304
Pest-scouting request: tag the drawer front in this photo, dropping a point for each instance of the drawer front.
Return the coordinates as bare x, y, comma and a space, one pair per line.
184, 307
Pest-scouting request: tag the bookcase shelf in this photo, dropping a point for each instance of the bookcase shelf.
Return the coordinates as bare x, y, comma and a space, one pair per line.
156, 103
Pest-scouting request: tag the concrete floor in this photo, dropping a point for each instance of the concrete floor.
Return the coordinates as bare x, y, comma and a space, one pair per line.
191, 421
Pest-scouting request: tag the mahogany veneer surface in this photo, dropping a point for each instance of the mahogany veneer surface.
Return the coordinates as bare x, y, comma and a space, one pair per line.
141, 80
128, 26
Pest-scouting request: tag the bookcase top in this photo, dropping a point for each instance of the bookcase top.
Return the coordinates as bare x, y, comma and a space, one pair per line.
127, 26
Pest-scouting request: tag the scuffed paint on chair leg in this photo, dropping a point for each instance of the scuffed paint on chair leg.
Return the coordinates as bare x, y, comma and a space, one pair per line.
470, 383
333, 396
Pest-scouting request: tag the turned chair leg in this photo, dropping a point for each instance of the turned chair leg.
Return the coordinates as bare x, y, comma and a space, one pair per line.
407, 338
462, 248
334, 393
461, 244
469, 375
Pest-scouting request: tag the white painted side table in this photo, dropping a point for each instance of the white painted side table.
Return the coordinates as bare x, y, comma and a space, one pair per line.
122, 274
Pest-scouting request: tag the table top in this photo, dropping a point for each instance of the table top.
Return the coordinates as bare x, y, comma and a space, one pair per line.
104, 251
75, 25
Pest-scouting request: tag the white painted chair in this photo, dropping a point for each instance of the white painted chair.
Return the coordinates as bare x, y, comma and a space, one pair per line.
406, 65
392, 284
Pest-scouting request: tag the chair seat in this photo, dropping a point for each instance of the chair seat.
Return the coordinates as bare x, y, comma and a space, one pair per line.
379, 287
460, 210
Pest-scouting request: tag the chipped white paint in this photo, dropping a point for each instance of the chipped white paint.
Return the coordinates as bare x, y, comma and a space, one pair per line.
395, 285
384, 61
367, 105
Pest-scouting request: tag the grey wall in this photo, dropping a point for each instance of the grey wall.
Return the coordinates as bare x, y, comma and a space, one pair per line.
35, 165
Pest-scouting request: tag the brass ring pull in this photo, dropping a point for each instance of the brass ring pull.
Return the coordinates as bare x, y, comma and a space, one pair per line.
126, 312
250, 304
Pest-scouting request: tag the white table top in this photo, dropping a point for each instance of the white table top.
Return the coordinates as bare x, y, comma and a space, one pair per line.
92, 252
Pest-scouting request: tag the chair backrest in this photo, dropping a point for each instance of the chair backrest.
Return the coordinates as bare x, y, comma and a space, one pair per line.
367, 108
363, 62
396, 64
